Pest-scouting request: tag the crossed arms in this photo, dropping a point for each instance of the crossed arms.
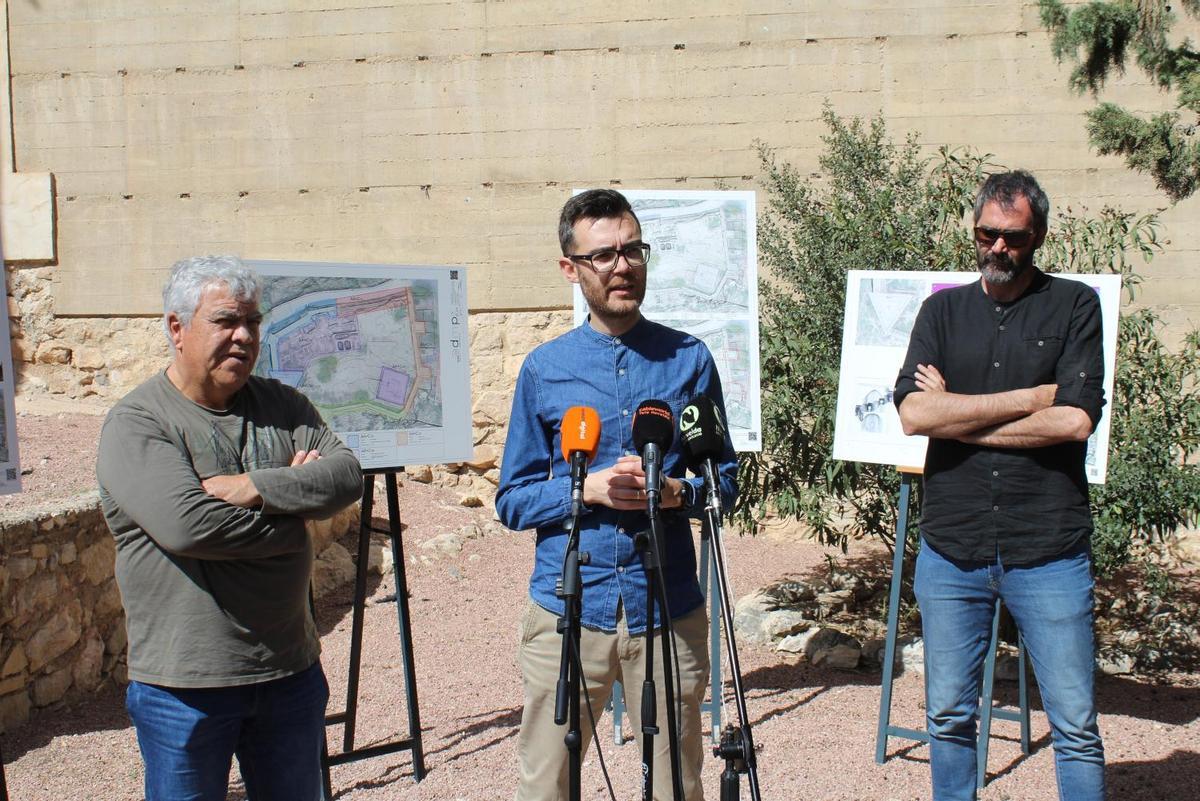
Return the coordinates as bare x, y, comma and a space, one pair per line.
1017, 418
239, 490
149, 486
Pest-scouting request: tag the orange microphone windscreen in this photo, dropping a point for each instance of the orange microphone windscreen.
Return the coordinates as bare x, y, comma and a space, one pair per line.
580, 432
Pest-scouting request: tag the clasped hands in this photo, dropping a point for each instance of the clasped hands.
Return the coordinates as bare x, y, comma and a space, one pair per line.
623, 486
239, 490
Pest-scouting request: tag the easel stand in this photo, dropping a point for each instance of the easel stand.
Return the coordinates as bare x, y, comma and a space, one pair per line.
349, 718
986, 710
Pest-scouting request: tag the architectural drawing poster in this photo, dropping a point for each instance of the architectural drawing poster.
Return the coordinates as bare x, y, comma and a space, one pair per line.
703, 279
881, 306
380, 350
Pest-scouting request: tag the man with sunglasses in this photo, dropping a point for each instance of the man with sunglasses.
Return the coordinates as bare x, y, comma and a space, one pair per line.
1005, 376
612, 362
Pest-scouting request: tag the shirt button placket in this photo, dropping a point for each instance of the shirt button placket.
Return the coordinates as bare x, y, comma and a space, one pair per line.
624, 396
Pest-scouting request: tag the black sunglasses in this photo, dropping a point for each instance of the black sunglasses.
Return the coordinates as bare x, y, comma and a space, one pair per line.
1014, 239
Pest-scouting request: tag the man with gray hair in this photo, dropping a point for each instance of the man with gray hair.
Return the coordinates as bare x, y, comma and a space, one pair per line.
207, 474
1006, 377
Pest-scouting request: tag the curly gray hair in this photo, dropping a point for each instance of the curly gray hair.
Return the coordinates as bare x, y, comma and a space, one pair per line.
191, 277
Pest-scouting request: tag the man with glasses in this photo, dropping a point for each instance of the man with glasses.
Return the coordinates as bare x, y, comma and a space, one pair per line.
1005, 376
614, 361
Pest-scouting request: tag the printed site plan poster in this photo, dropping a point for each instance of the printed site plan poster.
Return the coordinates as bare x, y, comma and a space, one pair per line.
380, 350
703, 279
881, 307
10, 468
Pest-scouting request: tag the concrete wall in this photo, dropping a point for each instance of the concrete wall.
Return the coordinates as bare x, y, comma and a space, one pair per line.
451, 132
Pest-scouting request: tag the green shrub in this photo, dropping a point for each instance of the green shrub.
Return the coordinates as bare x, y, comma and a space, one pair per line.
881, 206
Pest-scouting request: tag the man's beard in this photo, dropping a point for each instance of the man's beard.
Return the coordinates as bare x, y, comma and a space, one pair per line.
598, 300
999, 269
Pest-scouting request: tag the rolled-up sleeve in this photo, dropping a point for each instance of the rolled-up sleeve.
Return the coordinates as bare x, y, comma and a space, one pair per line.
922, 349
1080, 370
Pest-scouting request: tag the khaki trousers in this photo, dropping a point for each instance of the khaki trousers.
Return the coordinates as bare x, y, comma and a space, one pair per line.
607, 658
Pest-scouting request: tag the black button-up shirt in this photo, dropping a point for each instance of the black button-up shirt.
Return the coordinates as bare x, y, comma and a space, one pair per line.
1026, 504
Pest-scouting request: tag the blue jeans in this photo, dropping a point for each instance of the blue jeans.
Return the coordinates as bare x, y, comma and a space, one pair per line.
1051, 602
188, 738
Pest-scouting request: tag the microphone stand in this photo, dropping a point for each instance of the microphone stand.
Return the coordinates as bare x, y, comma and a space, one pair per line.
568, 689
737, 742
650, 546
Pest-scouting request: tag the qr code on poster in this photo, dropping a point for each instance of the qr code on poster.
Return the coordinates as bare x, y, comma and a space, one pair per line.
10, 474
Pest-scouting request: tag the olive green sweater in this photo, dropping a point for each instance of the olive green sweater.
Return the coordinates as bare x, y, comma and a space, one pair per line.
216, 595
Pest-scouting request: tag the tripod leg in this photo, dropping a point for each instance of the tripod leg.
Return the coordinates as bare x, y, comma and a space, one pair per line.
893, 622
404, 623
673, 722
649, 714
708, 576
360, 606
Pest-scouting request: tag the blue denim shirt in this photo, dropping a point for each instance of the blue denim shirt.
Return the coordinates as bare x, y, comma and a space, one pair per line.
612, 375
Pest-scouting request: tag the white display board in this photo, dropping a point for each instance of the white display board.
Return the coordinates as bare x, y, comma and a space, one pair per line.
703, 279
380, 350
881, 307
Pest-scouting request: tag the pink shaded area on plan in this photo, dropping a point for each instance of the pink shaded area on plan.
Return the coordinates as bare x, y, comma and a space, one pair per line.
323, 336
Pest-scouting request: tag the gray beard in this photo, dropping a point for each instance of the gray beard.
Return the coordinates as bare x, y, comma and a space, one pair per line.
999, 271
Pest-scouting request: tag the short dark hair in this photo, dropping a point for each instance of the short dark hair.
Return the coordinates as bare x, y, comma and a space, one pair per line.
1005, 187
594, 204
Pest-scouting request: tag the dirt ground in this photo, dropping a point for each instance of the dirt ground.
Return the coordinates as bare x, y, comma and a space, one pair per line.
815, 727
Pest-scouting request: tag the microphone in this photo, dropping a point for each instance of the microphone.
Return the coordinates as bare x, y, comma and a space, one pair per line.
580, 432
653, 434
702, 433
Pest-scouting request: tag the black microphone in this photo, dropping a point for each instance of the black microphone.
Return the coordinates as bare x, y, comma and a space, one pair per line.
702, 434
653, 434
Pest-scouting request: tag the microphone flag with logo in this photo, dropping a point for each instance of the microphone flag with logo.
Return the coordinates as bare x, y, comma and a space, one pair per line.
702, 430
580, 434
653, 434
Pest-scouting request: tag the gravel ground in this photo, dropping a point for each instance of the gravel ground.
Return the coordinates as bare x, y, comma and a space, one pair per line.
815, 727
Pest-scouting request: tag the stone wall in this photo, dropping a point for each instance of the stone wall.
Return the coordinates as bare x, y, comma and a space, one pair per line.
62, 626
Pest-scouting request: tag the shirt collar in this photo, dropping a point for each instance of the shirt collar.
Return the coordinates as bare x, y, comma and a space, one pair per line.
1040, 283
639, 332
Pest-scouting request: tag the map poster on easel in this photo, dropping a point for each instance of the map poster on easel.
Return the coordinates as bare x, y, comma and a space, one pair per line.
703, 279
380, 350
10, 468
881, 307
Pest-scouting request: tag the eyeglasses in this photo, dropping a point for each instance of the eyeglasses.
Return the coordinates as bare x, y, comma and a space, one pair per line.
605, 261
1014, 239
